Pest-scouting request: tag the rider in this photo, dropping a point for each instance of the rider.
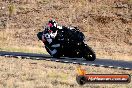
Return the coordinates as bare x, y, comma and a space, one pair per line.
49, 35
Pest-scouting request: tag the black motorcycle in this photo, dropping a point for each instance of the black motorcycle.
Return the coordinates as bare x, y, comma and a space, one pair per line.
71, 45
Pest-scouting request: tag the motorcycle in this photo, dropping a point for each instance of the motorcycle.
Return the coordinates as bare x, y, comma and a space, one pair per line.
71, 45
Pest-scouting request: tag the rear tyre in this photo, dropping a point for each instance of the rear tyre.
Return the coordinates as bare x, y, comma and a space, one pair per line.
89, 54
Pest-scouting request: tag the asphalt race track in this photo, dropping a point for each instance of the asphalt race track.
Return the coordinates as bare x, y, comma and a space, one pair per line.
107, 63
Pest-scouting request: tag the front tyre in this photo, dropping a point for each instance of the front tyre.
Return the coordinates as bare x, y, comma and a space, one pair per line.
89, 54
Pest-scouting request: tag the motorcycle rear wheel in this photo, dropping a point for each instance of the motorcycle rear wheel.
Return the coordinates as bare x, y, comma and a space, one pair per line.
89, 54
